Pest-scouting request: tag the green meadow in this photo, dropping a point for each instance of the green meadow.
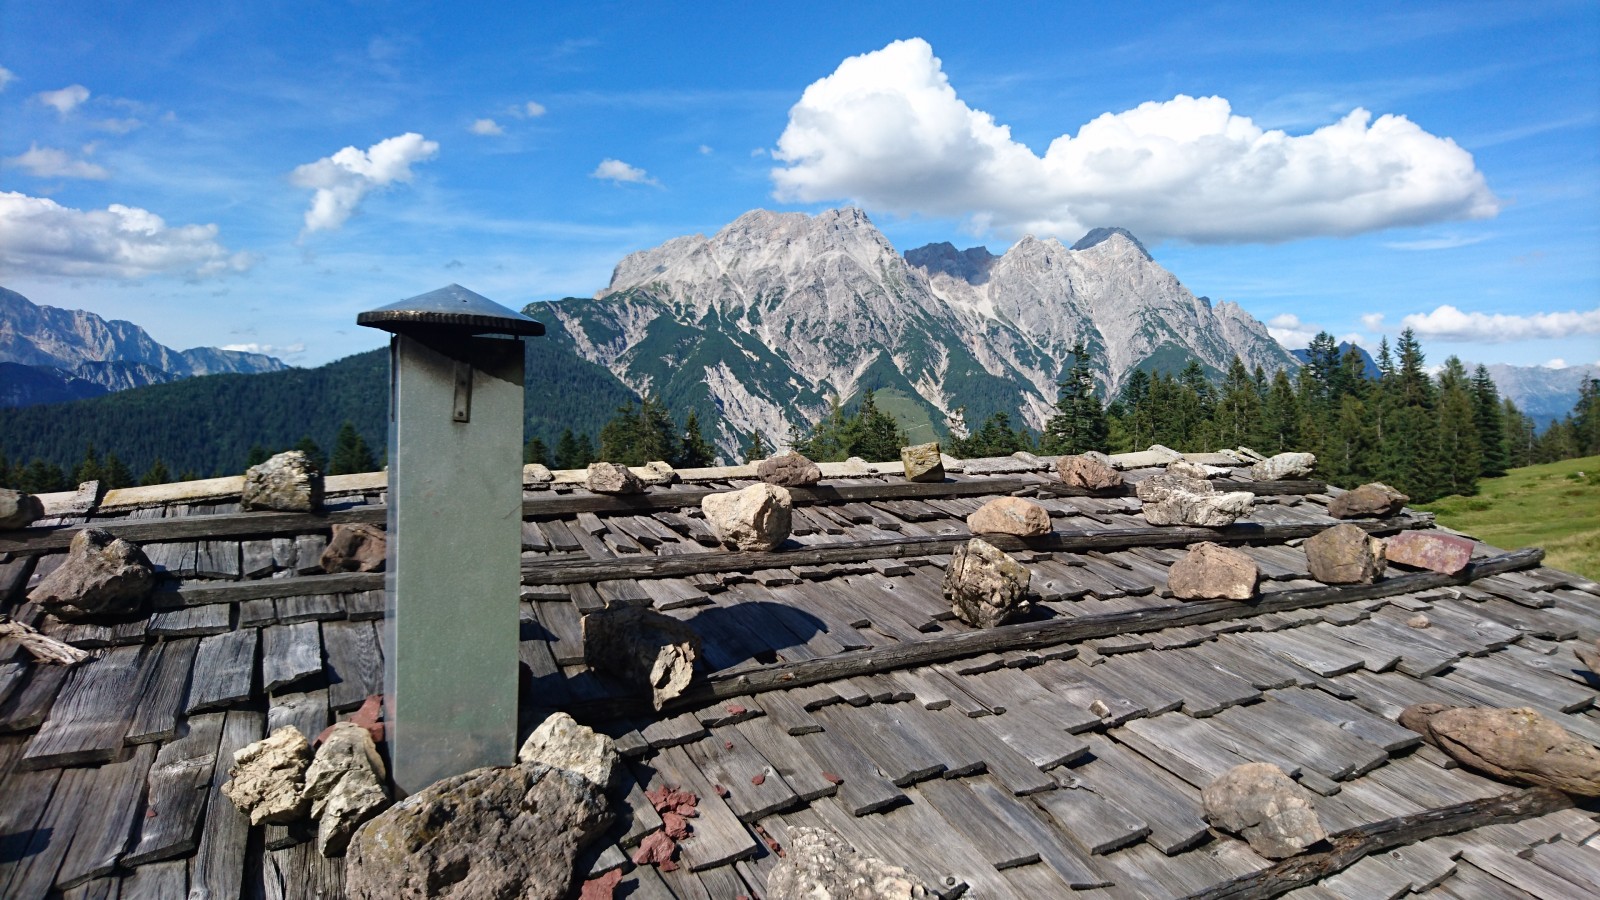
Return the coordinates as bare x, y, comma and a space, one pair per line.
1555, 506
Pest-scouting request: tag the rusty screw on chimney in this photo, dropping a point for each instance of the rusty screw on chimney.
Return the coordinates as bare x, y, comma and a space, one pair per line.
455, 532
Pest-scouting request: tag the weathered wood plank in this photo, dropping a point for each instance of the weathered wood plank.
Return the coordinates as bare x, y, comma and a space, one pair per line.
177, 791
1349, 847
192, 621
1049, 632
301, 585
160, 698
754, 787
289, 653
40, 850
102, 835
718, 837
241, 525
224, 670
27, 800
218, 870
90, 718
980, 824
25, 709
354, 665
1094, 821
161, 881
301, 873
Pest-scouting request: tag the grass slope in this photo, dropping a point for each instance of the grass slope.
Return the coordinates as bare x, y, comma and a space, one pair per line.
1555, 506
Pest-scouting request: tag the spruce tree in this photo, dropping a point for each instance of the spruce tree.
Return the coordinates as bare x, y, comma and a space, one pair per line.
639, 434
156, 474
1079, 423
350, 452
1586, 418
1410, 447
114, 473
257, 455
1488, 416
1520, 436
694, 451
1280, 418
89, 469
307, 446
871, 433
535, 451
1237, 419
755, 447
1460, 450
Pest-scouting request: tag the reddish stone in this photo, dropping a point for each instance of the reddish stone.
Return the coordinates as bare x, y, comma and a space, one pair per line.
1432, 550
601, 887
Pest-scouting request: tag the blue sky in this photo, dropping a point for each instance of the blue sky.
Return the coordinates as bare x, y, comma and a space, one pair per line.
185, 165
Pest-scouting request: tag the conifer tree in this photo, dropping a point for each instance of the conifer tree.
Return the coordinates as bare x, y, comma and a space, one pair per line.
694, 451
114, 473
1586, 419
307, 446
639, 433
573, 452
755, 447
1460, 448
1079, 423
350, 452
1519, 435
1280, 417
1237, 420
257, 455
871, 433
1409, 447
89, 469
535, 451
156, 474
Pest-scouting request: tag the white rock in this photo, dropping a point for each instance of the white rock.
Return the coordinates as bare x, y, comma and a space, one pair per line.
345, 786
561, 743
755, 518
268, 776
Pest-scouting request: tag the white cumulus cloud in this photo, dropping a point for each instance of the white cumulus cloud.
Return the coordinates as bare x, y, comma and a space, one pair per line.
1372, 321
49, 162
1450, 323
268, 349
615, 170
1288, 330
66, 99
486, 127
6, 77
342, 180
887, 130
533, 109
41, 237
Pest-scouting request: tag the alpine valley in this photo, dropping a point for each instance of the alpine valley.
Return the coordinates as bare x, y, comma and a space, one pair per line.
757, 326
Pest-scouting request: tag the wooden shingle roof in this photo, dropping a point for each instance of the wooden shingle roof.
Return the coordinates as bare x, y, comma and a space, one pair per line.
1059, 755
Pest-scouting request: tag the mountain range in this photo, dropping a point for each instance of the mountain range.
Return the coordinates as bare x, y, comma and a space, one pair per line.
760, 324
49, 355
754, 328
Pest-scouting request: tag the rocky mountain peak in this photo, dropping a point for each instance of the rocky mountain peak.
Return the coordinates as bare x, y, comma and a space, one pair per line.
970, 265
1115, 236
759, 323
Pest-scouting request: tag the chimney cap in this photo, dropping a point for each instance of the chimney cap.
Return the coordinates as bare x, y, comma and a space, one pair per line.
451, 308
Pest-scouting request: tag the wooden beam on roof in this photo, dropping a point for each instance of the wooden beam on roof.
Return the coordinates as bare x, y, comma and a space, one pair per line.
28, 541
1069, 540
1356, 844
1050, 632
234, 525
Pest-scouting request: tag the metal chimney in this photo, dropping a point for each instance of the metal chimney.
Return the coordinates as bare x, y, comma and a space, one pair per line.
455, 525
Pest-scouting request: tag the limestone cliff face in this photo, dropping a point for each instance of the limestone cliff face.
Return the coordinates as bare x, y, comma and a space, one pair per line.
765, 319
